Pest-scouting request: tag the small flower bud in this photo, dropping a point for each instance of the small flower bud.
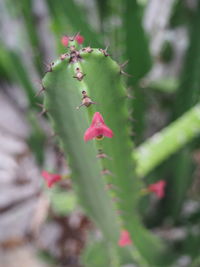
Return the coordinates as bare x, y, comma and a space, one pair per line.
79, 38
65, 40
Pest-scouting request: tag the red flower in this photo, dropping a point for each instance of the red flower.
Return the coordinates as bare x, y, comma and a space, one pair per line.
158, 188
65, 39
79, 38
51, 178
97, 129
125, 239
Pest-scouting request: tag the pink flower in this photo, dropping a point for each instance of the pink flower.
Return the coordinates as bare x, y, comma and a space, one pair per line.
51, 178
125, 239
98, 129
79, 38
158, 188
65, 39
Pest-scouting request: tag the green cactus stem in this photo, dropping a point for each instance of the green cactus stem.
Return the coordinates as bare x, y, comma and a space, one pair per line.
92, 74
163, 144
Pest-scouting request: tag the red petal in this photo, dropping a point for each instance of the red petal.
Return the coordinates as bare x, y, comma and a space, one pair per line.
107, 131
51, 178
158, 188
65, 40
90, 133
45, 174
97, 118
79, 38
124, 239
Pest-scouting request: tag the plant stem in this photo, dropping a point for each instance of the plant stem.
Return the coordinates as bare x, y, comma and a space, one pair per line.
161, 145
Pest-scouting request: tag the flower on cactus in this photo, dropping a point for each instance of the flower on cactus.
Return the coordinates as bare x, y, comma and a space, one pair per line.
158, 188
98, 129
79, 38
51, 178
65, 39
125, 239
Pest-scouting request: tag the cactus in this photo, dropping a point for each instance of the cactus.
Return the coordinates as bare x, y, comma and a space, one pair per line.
91, 75
149, 154
137, 52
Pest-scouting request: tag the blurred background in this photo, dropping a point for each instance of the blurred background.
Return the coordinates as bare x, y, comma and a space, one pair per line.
161, 41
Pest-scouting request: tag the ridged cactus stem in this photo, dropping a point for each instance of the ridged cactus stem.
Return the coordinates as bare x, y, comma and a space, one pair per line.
91, 76
163, 144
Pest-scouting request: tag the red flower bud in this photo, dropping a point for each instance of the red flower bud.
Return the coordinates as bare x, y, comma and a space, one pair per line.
125, 239
79, 38
98, 129
65, 40
158, 188
51, 178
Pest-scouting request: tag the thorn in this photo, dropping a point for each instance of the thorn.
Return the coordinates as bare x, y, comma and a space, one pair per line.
79, 75
60, 155
104, 51
42, 112
129, 96
102, 155
86, 100
40, 91
130, 117
63, 56
115, 199
75, 35
111, 186
119, 212
49, 67
53, 134
43, 109
74, 56
126, 74
121, 70
87, 49
124, 64
79, 106
40, 105
106, 172
129, 93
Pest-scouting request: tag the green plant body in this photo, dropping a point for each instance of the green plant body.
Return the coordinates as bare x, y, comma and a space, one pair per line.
137, 52
163, 144
92, 72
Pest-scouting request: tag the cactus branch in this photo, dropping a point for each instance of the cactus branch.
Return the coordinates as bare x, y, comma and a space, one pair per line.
161, 145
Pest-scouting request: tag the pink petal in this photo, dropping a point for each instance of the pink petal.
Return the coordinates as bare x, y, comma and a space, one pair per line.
107, 131
90, 134
51, 178
79, 38
97, 128
124, 239
158, 188
97, 117
65, 40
